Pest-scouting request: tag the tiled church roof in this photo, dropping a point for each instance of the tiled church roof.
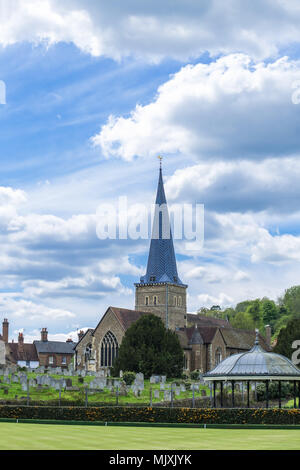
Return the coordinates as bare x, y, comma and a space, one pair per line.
161, 265
242, 339
209, 321
126, 316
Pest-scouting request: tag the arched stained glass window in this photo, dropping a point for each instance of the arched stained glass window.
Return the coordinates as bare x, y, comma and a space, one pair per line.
109, 349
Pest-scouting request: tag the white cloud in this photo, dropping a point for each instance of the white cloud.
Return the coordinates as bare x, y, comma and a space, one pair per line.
28, 310
271, 184
231, 108
223, 300
153, 30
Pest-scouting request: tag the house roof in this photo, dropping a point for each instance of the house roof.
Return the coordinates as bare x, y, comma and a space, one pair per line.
26, 353
55, 347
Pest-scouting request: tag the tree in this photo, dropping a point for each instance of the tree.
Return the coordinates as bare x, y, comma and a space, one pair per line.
269, 311
286, 337
242, 306
291, 300
243, 320
254, 309
150, 348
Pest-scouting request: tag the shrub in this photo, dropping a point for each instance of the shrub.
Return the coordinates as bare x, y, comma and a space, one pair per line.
240, 416
128, 377
195, 375
287, 391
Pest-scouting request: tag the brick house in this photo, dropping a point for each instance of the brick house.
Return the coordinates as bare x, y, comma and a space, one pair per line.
39, 353
54, 353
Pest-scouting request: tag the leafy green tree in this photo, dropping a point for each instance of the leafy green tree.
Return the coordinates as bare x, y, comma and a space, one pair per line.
287, 336
269, 311
150, 348
243, 320
291, 300
242, 306
254, 309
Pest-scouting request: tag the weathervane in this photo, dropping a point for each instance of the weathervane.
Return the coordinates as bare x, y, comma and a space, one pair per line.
160, 159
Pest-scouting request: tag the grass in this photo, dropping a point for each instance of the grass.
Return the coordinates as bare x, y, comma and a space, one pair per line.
21, 436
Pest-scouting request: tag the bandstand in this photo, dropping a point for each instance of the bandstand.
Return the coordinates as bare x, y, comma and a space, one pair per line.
256, 365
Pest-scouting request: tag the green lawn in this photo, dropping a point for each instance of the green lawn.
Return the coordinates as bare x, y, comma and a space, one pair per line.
15, 436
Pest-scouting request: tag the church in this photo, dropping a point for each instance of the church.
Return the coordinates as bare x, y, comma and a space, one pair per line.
205, 340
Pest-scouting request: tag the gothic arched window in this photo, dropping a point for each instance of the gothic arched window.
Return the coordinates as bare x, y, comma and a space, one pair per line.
88, 352
109, 349
218, 356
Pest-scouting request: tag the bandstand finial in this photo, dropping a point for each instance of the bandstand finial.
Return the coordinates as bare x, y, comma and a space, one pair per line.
256, 336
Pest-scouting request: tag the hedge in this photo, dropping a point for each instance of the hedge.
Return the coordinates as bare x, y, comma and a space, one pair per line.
155, 415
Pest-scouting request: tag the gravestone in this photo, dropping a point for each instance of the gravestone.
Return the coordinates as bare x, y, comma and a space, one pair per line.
156, 393
68, 383
167, 395
162, 386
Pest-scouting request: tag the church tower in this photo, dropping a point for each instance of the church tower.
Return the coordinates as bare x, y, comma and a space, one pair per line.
161, 291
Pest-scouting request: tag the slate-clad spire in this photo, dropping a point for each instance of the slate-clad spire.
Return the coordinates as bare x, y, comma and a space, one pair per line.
161, 265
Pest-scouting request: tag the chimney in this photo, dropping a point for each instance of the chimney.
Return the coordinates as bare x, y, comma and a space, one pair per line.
21, 342
5, 330
69, 340
44, 334
268, 335
80, 335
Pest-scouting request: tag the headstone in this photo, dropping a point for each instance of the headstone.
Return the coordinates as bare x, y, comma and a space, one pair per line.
167, 395
156, 393
163, 379
68, 383
162, 386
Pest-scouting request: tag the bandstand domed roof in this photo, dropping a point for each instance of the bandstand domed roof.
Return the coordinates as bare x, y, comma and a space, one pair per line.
256, 363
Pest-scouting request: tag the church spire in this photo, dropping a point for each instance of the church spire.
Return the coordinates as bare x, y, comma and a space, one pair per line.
161, 265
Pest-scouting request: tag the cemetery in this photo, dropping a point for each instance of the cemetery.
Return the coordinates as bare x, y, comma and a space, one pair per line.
57, 386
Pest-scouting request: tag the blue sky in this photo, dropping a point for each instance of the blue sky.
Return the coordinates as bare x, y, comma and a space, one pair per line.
95, 91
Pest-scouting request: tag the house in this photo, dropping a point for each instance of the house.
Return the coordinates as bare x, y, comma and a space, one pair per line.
39, 353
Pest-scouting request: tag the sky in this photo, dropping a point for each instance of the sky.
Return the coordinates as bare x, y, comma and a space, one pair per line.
95, 91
